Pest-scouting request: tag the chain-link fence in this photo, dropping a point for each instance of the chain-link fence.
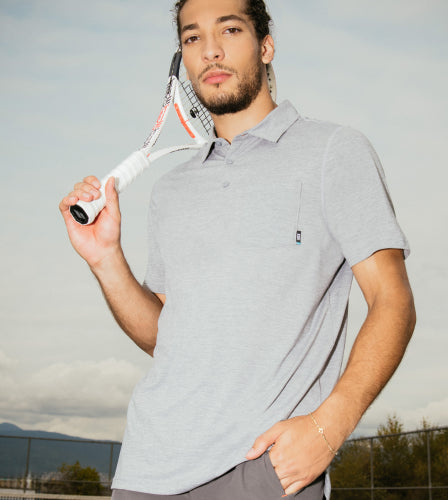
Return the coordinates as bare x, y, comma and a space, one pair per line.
57, 466
402, 466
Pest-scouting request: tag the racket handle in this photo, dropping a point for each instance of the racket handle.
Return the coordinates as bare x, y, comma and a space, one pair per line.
85, 212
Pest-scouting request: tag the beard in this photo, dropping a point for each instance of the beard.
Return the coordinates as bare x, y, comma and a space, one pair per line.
247, 90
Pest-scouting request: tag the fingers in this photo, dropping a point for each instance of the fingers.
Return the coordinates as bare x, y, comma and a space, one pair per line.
87, 190
91, 179
295, 488
264, 440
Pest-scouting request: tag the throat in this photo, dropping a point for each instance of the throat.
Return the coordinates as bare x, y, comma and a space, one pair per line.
229, 125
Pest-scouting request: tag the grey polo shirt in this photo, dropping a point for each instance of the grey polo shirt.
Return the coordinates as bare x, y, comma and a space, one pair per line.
252, 243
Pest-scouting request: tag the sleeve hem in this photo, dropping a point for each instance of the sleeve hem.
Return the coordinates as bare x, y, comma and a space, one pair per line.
154, 286
359, 256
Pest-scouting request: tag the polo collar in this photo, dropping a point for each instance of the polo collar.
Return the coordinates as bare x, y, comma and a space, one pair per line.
276, 123
271, 128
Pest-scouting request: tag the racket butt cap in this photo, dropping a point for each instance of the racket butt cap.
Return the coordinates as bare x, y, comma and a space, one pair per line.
79, 215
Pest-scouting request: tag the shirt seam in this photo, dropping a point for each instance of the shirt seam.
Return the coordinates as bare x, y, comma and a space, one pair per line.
322, 179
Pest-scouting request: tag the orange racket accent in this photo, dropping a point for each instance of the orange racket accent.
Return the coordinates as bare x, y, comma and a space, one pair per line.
161, 117
184, 123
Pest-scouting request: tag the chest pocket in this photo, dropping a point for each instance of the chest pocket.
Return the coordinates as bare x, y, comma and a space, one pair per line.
268, 212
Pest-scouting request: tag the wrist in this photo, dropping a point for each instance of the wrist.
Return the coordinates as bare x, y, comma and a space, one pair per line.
338, 418
321, 431
111, 262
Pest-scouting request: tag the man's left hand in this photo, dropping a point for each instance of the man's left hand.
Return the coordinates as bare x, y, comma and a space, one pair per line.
299, 454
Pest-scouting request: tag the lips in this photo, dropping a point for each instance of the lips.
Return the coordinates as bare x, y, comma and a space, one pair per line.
216, 76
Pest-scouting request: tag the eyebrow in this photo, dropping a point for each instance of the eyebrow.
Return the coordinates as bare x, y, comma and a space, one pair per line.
231, 17
222, 19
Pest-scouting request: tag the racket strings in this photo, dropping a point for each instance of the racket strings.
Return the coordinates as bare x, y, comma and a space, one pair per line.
195, 110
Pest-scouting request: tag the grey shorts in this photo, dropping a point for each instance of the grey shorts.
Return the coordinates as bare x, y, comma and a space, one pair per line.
251, 480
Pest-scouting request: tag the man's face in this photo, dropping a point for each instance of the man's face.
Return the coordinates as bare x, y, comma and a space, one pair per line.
221, 53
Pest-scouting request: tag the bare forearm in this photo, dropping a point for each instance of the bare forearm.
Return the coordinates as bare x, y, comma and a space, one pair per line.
135, 308
376, 353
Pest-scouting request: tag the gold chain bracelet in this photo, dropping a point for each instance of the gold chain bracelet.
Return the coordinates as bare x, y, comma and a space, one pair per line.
321, 432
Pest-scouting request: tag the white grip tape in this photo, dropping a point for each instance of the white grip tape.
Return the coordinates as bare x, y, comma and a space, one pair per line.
128, 170
124, 174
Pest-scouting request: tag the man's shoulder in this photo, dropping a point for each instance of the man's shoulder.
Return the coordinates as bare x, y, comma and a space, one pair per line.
306, 125
328, 131
175, 172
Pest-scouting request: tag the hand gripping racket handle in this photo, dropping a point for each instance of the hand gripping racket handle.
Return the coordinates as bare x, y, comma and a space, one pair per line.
85, 212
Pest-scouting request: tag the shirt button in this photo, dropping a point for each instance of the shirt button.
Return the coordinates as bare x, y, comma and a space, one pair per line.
225, 184
229, 161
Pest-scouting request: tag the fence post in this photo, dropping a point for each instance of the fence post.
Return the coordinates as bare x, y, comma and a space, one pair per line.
27, 466
428, 454
372, 491
110, 462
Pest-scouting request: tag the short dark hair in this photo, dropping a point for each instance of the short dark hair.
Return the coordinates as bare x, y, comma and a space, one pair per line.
256, 10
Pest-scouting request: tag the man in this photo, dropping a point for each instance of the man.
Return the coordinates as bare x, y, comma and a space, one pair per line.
252, 247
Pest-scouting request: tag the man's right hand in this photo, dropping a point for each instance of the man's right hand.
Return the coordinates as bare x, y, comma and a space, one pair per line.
101, 239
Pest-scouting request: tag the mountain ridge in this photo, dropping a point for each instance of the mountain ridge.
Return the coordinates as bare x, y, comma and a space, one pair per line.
13, 430
47, 451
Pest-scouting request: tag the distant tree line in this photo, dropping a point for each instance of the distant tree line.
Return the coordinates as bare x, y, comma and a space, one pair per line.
398, 461
72, 480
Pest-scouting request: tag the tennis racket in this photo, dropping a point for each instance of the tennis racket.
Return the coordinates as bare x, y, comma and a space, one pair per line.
195, 119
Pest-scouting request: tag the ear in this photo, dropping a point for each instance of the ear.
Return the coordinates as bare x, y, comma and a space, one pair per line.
267, 49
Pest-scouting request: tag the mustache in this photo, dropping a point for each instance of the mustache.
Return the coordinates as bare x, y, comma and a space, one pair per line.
215, 66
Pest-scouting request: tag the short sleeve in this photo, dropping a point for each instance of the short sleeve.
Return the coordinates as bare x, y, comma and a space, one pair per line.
357, 206
155, 271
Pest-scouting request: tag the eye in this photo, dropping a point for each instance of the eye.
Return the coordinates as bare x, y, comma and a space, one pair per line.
191, 39
232, 30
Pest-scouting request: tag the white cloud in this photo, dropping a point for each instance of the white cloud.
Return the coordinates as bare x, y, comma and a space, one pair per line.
111, 428
83, 388
74, 398
6, 363
435, 412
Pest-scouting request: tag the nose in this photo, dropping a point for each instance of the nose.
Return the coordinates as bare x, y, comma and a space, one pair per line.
212, 50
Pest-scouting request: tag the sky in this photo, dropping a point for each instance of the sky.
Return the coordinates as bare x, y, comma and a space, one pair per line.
81, 86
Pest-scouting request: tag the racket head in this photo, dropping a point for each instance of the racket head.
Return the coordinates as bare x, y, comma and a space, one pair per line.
195, 117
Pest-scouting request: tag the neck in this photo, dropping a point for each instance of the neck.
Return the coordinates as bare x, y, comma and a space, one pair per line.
230, 125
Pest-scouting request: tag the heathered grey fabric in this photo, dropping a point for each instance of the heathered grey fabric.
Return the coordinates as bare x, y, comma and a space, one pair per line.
253, 328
